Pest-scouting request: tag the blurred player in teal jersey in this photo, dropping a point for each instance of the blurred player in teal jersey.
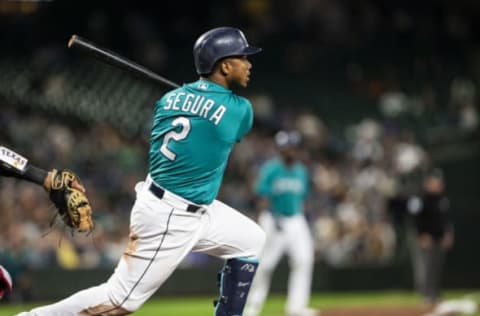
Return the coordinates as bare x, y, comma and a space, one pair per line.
194, 130
283, 185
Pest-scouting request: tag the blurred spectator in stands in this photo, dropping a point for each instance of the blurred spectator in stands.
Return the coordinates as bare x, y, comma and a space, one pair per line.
462, 104
408, 161
468, 117
312, 128
366, 137
424, 105
431, 235
393, 103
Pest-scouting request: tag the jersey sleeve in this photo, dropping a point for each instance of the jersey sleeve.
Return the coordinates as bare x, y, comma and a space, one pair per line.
264, 179
247, 120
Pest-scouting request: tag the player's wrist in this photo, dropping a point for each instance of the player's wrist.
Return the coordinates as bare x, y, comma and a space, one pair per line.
47, 182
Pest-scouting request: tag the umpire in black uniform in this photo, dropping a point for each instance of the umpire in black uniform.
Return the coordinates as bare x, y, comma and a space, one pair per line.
431, 235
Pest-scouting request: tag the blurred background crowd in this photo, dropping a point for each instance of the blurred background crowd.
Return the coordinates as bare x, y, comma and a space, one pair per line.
380, 91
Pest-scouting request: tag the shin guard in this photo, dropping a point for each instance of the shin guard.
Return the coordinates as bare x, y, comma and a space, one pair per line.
235, 280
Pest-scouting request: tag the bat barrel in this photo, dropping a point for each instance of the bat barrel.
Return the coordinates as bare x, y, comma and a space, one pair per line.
115, 59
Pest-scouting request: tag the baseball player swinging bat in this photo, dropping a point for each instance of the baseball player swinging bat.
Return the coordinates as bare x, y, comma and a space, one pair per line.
114, 59
194, 130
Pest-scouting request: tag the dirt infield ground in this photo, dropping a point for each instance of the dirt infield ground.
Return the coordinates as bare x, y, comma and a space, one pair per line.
377, 311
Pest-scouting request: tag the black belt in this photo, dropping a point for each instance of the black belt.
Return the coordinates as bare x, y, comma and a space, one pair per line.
159, 193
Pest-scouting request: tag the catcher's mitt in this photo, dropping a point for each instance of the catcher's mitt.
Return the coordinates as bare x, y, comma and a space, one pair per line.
71, 202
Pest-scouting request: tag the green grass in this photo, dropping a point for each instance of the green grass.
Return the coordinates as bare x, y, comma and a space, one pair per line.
202, 306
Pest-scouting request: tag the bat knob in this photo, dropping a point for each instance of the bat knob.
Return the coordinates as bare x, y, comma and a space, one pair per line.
71, 41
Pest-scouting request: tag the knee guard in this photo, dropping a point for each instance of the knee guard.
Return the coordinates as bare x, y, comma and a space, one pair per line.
234, 282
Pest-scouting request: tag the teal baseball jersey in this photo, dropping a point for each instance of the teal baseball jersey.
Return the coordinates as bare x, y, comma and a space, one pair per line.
194, 130
285, 187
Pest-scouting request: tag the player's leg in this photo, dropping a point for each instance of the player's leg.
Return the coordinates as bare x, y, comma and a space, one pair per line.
77, 304
271, 255
420, 267
234, 237
160, 237
434, 272
301, 260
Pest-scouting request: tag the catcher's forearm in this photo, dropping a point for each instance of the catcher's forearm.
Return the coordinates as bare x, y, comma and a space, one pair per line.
15, 165
34, 174
64, 187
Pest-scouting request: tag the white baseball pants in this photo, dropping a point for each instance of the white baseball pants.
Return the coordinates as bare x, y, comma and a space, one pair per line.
290, 236
162, 233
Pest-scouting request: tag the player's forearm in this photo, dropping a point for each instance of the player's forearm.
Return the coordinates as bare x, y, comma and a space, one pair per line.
31, 173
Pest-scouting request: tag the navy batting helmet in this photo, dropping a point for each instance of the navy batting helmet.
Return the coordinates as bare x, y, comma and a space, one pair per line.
218, 43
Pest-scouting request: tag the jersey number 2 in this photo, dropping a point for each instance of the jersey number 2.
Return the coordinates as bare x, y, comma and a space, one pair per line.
176, 136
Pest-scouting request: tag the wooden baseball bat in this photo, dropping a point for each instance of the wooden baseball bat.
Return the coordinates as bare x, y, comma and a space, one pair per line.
115, 59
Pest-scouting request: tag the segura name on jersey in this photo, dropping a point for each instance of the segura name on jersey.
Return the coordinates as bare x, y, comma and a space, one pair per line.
195, 104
